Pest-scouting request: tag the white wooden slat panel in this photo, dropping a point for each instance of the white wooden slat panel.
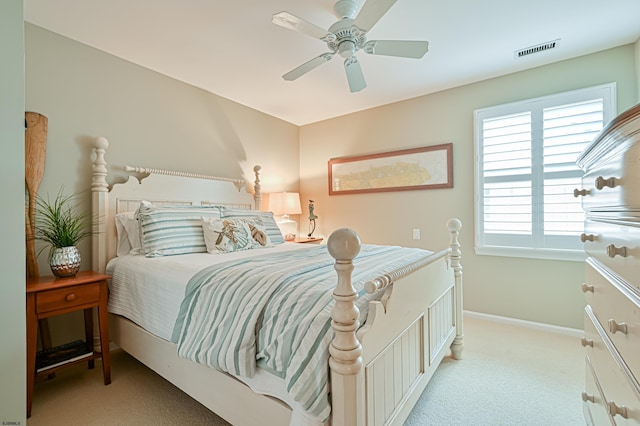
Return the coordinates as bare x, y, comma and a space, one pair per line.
393, 373
397, 374
379, 392
389, 385
441, 323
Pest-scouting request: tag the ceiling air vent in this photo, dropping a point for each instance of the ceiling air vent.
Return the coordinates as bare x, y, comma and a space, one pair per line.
536, 49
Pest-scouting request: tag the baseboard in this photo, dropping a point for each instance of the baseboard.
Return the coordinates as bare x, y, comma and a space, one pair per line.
549, 328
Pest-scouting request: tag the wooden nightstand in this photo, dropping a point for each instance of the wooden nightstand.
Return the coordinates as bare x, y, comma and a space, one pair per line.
49, 296
312, 240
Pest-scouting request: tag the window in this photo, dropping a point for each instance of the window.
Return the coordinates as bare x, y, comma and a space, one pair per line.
526, 172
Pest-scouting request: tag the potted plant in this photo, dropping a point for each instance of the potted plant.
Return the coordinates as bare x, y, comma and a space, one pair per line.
60, 226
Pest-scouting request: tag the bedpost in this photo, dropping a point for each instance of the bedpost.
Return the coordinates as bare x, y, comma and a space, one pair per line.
99, 210
257, 188
454, 225
345, 350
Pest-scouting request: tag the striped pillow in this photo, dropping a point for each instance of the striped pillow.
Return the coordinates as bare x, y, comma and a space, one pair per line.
171, 230
271, 227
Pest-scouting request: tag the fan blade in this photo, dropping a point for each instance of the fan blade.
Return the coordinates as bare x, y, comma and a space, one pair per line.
401, 48
371, 13
354, 74
307, 66
292, 22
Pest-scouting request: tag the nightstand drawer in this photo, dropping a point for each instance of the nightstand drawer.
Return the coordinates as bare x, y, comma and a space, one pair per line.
69, 297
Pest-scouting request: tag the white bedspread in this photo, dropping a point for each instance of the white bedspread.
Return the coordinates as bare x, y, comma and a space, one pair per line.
154, 303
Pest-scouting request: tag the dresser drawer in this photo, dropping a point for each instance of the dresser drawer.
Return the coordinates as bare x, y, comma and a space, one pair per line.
618, 313
615, 245
593, 403
54, 300
621, 391
610, 183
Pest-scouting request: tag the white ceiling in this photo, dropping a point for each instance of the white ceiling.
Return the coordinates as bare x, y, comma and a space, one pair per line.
232, 49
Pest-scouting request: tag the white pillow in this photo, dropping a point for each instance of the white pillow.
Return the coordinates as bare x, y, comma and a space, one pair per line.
234, 234
128, 233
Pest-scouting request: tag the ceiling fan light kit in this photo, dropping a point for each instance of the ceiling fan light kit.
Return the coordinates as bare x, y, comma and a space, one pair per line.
347, 36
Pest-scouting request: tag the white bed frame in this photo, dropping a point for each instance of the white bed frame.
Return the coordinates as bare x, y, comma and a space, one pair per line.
377, 372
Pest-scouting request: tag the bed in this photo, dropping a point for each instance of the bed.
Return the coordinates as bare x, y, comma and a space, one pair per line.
388, 325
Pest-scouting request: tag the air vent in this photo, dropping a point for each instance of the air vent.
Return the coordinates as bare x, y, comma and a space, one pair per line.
536, 49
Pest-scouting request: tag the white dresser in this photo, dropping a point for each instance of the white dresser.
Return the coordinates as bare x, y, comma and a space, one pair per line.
611, 199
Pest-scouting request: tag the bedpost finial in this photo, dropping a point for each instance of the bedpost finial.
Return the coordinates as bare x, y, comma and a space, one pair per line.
257, 168
344, 244
101, 143
454, 225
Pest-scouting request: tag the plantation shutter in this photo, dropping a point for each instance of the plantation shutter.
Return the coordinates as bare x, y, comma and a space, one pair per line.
526, 172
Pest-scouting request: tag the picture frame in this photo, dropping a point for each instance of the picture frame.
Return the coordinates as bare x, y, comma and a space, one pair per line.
428, 167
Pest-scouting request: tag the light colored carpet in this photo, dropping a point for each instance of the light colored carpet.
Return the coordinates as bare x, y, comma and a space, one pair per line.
510, 376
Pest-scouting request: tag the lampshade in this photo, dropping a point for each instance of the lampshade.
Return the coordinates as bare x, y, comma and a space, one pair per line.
284, 203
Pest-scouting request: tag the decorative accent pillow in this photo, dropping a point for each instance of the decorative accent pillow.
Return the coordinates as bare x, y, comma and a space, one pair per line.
227, 235
271, 227
172, 230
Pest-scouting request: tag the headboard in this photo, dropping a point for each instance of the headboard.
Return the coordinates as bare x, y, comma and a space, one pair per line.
160, 187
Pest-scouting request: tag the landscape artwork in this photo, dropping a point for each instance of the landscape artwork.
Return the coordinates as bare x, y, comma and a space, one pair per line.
428, 167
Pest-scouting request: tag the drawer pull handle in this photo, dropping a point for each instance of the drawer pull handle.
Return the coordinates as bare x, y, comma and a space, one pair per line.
580, 192
614, 327
615, 409
587, 237
586, 397
586, 342
587, 288
601, 182
613, 251
70, 297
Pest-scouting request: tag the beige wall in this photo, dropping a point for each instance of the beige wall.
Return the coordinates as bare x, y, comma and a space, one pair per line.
536, 290
12, 261
149, 119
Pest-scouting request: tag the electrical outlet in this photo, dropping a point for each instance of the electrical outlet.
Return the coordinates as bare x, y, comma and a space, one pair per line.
416, 233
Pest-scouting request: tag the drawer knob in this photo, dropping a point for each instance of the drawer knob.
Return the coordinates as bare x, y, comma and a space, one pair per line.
614, 327
70, 297
615, 409
588, 398
602, 183
613, 251
580, 192
587, 237
586, 342
587, 288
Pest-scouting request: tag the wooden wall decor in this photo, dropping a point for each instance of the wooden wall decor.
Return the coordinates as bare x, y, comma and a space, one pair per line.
35, 140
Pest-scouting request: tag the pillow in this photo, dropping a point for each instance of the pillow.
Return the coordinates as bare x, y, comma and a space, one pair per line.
172, 230
122, 242
128, 234
228, 235
273, 231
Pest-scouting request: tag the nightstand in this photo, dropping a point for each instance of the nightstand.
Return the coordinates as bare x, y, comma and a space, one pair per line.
312, 240
50, 296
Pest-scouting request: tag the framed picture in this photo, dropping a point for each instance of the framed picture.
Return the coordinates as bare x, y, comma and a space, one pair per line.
429, 167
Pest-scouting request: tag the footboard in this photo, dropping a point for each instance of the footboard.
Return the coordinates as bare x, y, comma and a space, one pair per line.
378, 373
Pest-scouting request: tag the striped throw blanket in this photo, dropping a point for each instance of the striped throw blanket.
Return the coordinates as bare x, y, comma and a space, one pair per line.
274, 310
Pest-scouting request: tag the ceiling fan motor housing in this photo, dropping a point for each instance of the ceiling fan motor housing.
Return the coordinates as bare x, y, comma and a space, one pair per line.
349, 38
346, 9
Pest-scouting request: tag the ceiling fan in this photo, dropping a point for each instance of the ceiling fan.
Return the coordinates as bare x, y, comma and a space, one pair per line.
347, 36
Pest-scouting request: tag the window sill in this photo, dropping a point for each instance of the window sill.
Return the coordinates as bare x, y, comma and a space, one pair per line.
531, 253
